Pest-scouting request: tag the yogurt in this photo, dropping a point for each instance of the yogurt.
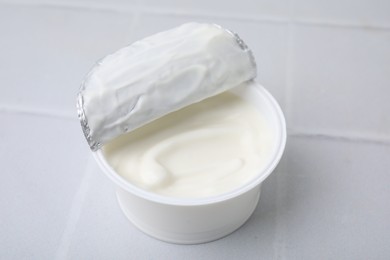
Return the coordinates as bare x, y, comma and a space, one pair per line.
203, 150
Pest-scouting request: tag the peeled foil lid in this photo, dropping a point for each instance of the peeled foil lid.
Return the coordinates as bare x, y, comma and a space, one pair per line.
98, 106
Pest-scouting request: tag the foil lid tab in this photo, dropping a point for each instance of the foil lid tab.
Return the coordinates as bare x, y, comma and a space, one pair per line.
158, 75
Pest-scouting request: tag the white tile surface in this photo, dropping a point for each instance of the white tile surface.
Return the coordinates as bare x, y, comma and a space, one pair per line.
46, 51
341, 81
267, 41
43, 161
337, 200
366, 13
329, 69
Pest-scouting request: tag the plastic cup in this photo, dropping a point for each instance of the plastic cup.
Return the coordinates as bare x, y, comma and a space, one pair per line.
193, 221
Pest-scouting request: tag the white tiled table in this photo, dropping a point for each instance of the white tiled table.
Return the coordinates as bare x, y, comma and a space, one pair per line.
326, 62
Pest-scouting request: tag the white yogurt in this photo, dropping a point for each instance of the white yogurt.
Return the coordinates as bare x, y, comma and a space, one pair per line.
160, 74
205, 149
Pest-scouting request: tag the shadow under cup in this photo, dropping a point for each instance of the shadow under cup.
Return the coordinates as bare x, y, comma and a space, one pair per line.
192, 221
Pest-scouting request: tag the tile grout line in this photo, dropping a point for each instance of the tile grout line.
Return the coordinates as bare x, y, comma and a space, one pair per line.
349, 25
37, 112
136, 8
130, 8
342, 138
280, 230
125, 8
75, 212
289, 83
118, 8
203, 14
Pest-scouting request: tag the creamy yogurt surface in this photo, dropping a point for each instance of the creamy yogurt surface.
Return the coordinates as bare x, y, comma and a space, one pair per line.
202, 150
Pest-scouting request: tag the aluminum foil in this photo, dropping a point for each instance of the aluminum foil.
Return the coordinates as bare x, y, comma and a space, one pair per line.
242, 45
96, 144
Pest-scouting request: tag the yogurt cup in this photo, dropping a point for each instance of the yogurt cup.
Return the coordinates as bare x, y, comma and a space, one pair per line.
193, 221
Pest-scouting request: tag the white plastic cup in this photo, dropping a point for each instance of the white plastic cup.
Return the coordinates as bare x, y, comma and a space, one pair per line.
193, 221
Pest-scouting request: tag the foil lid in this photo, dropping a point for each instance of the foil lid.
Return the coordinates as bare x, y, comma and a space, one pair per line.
158, 75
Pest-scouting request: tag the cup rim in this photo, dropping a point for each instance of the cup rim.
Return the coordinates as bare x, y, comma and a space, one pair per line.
261, 176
